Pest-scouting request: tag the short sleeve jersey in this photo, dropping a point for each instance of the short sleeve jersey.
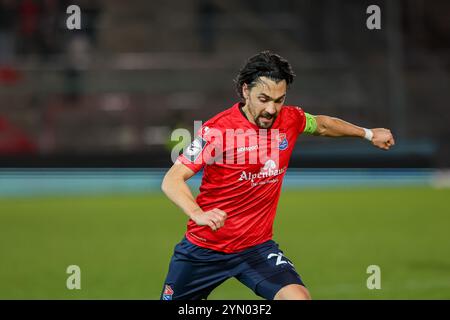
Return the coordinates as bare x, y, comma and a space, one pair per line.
243, 170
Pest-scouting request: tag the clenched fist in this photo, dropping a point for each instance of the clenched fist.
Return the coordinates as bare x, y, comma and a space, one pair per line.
214, 218
382, 138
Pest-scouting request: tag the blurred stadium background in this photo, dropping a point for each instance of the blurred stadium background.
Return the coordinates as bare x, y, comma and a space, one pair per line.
86, 117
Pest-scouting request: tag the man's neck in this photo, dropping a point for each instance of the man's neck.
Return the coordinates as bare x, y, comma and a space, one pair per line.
246, 113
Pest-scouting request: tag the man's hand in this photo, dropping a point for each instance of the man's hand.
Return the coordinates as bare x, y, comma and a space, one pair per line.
214, 218
382, 138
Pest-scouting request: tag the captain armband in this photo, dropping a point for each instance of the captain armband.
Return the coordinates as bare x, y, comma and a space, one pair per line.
311, 124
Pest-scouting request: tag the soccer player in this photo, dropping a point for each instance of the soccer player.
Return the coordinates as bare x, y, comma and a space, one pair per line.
229, 233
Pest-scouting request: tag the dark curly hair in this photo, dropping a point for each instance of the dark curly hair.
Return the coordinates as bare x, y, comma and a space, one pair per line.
264, 64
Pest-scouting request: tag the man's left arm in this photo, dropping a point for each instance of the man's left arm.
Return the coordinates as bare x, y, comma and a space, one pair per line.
333, 127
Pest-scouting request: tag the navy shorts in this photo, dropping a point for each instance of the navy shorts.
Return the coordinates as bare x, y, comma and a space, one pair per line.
195, 271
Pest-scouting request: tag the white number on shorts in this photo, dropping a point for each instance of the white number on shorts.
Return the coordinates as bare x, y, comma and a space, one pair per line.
279, 256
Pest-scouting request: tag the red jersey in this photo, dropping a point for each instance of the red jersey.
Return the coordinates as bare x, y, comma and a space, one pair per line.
244, 167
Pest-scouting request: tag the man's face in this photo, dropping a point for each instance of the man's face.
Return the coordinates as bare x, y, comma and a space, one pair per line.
265, 100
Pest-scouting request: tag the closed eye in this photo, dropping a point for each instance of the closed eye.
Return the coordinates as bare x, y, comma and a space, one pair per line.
264, 98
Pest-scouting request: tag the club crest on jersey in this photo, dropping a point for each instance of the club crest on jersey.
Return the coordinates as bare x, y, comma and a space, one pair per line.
282, 141
168, 292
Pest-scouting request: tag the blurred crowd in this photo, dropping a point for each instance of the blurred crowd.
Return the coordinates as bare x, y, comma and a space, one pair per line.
32, 30
138, 69
33, 27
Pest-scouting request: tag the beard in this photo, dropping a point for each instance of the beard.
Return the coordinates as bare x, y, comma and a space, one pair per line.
265, 120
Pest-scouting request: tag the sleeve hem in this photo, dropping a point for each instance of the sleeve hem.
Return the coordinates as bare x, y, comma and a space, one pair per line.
195, 168
303, 120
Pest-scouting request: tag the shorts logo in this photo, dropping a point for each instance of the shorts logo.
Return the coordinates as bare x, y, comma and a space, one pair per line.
168, 292
279, 256
195, 148
282, 141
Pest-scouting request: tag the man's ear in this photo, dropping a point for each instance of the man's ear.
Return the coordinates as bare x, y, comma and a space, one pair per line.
245, 91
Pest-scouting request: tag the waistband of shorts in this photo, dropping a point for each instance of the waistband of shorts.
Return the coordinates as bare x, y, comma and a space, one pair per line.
246, 250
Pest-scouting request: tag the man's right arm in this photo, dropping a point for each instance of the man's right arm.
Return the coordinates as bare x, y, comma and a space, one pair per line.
176, 189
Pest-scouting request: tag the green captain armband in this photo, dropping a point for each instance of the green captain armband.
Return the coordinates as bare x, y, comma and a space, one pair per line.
311, 124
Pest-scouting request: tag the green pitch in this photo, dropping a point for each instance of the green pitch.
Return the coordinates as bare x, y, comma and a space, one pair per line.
123, 244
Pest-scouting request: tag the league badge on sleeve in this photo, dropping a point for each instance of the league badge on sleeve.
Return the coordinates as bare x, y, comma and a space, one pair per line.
195, 148
282, 141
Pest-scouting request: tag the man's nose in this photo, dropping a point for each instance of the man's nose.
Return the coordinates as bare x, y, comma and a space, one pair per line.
271, 108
